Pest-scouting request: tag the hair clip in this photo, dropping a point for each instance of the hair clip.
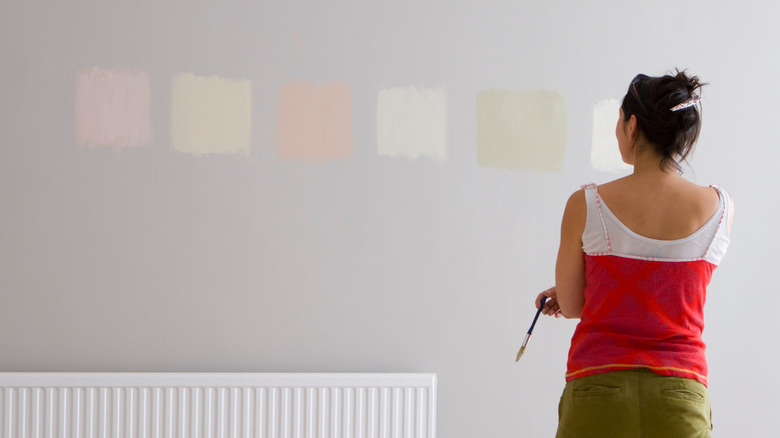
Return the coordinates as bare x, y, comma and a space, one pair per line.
687, 104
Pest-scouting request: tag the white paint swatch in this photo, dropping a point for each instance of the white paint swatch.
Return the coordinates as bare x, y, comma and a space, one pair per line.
412, 122
211, 115
604, 152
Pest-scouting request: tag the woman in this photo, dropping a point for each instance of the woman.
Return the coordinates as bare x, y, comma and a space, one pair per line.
635, 258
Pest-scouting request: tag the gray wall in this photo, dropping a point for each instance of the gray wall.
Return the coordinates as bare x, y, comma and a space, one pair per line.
152, 260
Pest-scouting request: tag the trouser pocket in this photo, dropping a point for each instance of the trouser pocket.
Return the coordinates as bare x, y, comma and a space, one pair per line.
595, 390
685, 394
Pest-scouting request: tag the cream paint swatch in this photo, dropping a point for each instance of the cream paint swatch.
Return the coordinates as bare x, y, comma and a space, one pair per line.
412, 122
211, 115
604, 152
521, 129
113, 108
314, 122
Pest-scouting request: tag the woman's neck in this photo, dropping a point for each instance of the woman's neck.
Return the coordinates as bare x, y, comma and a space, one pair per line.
647, 163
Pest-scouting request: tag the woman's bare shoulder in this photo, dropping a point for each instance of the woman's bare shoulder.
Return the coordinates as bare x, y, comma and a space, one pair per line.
618, 188
615, 183
706, 196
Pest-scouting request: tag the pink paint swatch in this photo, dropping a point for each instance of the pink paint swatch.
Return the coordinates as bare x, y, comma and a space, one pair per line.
314, 122
113, 108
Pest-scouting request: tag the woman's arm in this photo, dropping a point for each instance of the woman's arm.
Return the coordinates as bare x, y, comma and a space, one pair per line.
570, 266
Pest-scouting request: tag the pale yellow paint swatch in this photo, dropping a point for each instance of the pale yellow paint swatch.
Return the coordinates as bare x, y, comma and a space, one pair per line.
521, 129
412, 122
604, 152
211, 115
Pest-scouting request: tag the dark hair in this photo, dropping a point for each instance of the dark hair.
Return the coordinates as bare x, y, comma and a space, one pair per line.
672, 134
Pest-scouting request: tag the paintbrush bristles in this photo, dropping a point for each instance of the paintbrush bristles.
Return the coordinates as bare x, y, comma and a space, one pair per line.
522, 347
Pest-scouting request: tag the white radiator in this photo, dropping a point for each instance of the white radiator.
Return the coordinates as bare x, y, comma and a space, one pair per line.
152, 405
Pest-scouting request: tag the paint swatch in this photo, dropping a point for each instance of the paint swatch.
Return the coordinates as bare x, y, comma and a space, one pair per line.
604, 152
113, 107
314, 122
521, 129
211, 115
412, 122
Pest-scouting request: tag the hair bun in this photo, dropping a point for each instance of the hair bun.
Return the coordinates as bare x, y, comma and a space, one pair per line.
691, 83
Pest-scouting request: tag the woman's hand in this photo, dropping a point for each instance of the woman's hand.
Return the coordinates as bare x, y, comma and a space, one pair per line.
551, 305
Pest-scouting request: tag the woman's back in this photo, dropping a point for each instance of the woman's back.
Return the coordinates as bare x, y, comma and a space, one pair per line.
665, 207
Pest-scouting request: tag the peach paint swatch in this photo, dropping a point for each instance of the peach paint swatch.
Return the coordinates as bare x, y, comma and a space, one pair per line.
521, 129
113, 108
604, 152
412, 122
211, 115
314, 122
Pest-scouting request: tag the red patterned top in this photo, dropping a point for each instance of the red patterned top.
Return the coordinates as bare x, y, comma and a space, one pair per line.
644, 299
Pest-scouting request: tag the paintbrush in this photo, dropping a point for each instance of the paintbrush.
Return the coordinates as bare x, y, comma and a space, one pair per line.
528, 335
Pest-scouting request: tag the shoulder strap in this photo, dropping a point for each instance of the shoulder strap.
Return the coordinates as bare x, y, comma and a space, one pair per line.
592, 189
724, 201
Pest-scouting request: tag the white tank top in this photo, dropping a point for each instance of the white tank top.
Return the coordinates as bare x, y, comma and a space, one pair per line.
605, 235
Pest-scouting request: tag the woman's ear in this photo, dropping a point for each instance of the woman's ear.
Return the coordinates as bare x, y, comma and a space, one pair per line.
632, 128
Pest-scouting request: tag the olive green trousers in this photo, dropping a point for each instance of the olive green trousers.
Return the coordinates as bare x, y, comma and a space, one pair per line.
634, 404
